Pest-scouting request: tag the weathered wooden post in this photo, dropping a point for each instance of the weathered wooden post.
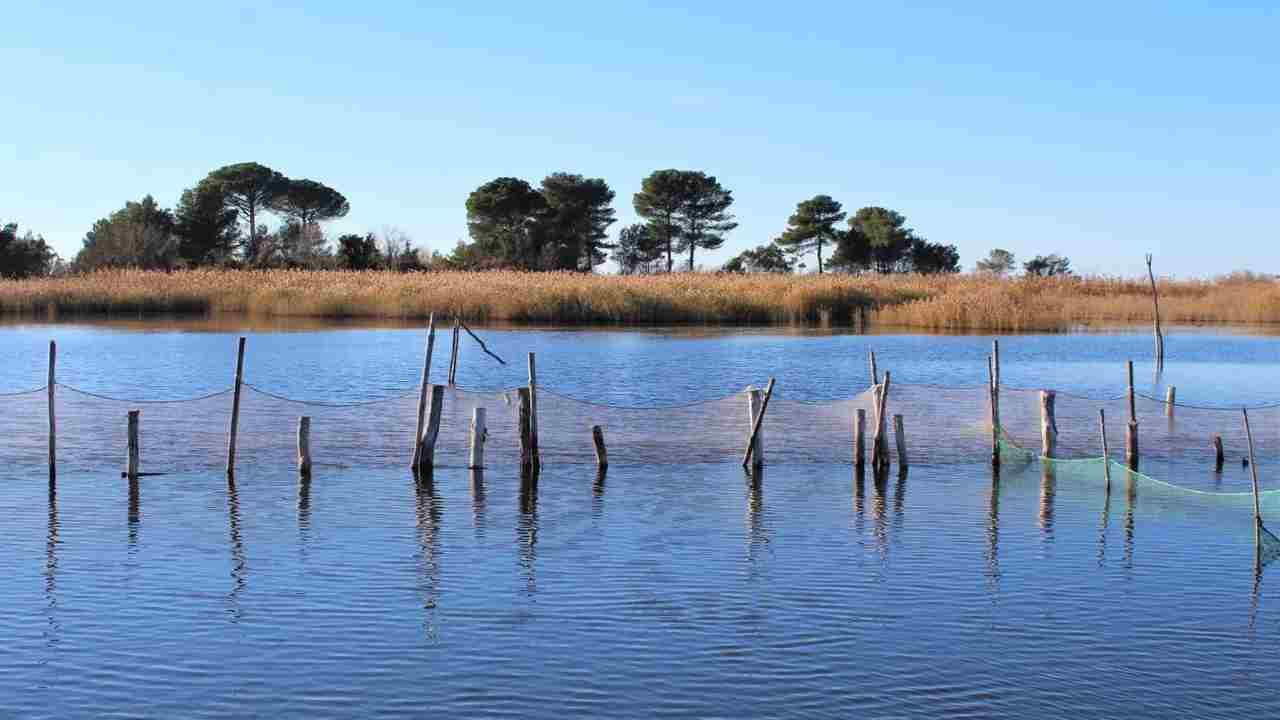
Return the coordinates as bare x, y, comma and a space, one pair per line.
304, 445
602, 455
453, 356
755, 428
479, 433
879, 444
754, 400
133, 458
1106, 450
1257, 505
871, 360
901, 440
423, 388
993, 389
427, 458
235, 410
1219, 457
1048, 424
859, 439
1155, 301
533, 410
53, 416
524, 422
1170, 396
1131, 432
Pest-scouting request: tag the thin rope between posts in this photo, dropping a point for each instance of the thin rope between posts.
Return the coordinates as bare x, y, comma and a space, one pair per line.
1219, 408
32, 391
136, 401
321, 403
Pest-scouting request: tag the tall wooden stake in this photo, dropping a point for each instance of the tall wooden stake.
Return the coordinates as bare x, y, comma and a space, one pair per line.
900, 438
1131, 432
423, 389
1106, 450
53, 416
479, 434
755, 427
235, 410
1155, 301
994, 391
427, 459
754, 397
859, 439
871, 361
453, 356
1219, 457
533, 410
602, 455
1170, 398
1257, 503
879, 444
524, 421
1048, 424
133, 458
304, 446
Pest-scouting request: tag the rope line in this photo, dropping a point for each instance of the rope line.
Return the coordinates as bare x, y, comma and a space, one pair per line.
321, 403
134, 401
33, 391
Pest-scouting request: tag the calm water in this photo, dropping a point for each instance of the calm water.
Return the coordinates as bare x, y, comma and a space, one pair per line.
660, 590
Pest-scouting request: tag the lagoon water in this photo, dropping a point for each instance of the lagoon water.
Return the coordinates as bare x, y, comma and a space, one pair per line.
669, 590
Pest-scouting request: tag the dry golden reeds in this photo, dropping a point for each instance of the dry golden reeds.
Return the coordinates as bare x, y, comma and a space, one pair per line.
950, 302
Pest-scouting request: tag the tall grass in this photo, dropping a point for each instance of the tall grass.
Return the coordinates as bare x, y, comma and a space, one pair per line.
956, 302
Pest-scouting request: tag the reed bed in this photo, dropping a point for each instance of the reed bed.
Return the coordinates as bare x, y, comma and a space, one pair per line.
953, 302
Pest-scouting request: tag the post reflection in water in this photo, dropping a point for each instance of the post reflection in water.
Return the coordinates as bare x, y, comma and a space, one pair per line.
859, 500
304, 509
993, 531
239, 570
428, 510
597, 493
1103, 526
879, 507
1131, 501
757, 529
527, 529
135, 513
477, 501
51, 567
899, 499
1048, 492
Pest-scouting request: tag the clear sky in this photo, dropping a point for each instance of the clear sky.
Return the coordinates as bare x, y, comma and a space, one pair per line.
1099, 131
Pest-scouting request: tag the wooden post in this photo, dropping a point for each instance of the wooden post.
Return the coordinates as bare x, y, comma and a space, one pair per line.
1155, 301
453, 356
423, 388
879, 445
995, 357
1170, 396
131, 463
602, 455
533, 410
53, 416
875, 377
901, 439
1131, 432
479, 433
1048, 424
524, 421
859, 439
304, 445
1106, 449
427, 458
754, 400
1257, 505
755, 429
235, 410
1218, 456
993, 389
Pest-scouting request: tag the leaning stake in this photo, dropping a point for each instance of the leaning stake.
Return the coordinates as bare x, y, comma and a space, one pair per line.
602, 455
423, 389
879, 446
1106, 451
755, 427
1257, 505
235, 410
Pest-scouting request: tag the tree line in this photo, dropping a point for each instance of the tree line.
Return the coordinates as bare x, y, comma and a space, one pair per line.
561, 224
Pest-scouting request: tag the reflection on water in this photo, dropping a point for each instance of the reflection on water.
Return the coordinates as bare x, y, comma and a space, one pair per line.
741, 595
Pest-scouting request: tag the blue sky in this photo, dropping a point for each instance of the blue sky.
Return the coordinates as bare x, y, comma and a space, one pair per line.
1099, 131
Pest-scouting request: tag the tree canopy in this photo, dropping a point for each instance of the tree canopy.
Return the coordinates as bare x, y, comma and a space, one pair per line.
812, 226
998, 262
503, 219
1047, 266
637, 251
25, 256
763, 259
580, 211
139, 235
307, 202
207, 228
661, 199
249, 187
